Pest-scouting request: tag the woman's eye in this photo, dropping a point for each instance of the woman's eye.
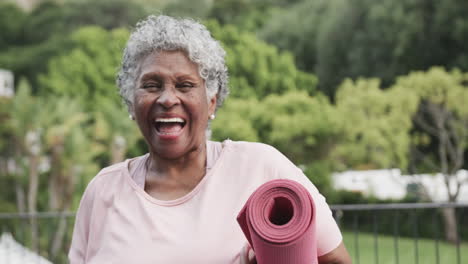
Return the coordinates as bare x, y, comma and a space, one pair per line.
151, 85
185, 85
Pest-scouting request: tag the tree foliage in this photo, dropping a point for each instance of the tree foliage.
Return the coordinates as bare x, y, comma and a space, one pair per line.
301, 126
236, 120
443, 118
113, 133
256, 68
296, 30
35, 38
11, 21
247, 15
440, 137
87, 72
50, 158
188, 8
365, 38
53, 18
375, 124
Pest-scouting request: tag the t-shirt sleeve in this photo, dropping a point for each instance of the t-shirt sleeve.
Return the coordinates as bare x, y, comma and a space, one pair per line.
328, 234
79, 244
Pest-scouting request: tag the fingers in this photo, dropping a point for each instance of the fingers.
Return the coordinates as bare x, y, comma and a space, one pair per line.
251, 255
244, 255
247, 255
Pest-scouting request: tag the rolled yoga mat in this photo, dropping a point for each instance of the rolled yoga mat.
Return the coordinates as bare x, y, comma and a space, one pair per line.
279, 223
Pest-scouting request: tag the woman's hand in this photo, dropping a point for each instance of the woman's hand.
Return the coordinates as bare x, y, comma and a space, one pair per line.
337, 256
247, 255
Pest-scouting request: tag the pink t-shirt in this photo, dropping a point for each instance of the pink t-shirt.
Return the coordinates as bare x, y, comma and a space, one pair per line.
118, 222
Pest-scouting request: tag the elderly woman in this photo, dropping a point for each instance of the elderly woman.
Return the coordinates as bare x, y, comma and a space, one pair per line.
179, 202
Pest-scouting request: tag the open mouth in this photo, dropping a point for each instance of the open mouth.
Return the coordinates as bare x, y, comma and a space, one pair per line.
169, 125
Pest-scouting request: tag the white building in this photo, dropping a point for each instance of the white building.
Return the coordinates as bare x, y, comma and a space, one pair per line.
383, 184
12, 252
6, 83
391, 184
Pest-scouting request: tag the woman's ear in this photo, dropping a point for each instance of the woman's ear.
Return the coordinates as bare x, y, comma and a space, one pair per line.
212, 105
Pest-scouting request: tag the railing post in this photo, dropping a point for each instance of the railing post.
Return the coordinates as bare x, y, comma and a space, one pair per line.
415, 236
356, 236
376, 237
395, 236
457, 212
7, 251
436, 236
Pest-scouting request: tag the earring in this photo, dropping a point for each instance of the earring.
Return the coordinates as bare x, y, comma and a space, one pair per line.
212, 116
131, 117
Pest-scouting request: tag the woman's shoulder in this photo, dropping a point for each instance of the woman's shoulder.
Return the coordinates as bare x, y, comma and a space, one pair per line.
110, 171
261, 153
111, 174
250, 147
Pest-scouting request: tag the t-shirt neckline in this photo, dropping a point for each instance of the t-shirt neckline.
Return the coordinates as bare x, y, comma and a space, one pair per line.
186, 197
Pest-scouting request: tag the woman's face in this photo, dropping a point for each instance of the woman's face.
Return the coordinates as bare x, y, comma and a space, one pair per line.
170, 104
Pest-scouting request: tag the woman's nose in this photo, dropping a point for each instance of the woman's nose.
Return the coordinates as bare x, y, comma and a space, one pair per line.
168, 97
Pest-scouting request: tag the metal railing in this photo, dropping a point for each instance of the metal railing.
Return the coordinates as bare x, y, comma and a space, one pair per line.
46, 234
367, 228
415, 222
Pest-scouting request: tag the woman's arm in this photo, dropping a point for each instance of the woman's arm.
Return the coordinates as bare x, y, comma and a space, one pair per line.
337, 256
77, 253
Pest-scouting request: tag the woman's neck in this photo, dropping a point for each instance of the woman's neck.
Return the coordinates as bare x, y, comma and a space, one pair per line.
187, 170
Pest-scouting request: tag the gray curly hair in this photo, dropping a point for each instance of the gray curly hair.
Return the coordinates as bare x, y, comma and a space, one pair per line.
168, 33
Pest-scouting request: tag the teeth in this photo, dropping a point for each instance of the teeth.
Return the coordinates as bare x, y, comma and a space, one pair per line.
167, 120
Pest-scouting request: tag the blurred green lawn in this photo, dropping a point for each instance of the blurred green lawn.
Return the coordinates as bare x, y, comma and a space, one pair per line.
406, 249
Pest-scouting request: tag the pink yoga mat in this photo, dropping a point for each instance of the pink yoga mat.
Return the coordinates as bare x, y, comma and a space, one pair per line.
279, 223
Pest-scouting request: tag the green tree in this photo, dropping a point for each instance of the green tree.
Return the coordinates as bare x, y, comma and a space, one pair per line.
87, 73
302, 20
303, 127
113, 132
29, 61
442, 120
51, 18
25, 153
256, 68
247, 15
44, 21
188, 8
11, 22
376, 124
383, 40
236, 119
319, 172
88, 70
67, 144
108, 14
44, 32
419, 123
48, 145
43, 35
25, 124
365, 38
